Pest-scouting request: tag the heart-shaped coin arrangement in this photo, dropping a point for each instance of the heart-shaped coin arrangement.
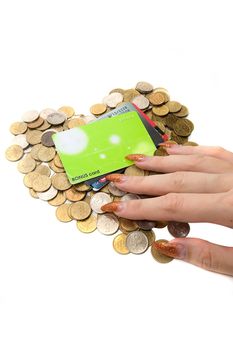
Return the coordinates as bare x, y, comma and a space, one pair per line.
46, 179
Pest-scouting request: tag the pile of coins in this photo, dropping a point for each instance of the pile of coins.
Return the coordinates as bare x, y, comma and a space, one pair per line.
45, 177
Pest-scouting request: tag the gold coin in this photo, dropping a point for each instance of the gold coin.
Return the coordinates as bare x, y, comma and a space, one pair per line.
61, 182
59, 199
54, 168
44, 126
150, 235
14, 153
161, 224
161, 152
159, 256
43, 170
57, 161
33, 193
29, 178
35, 150
26, 165
18, 128
119, 244
98, 109
156, 98
62, 213
41, 183
130, 94
161, 110
79, 210
133, 170
45, 154
38, 122
69, 111
164, 92
183, 112
183, 127
75, 122
178, 139
73, 195
33, 136
88, 225
82, 187
121, 91
128, 225
173, 106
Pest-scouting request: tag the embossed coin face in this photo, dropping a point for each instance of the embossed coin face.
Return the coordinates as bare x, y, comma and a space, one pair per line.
88, 225
144, 87
141, 101
26, 164
98, 200
113, 99
61, 182
119, 244
137, 242
41, 183
98, 108
14, 153
145, 224
157, 255
48, 195
59, 199
107, 224
46, 138
20, 140
178, 229
30, 116
114, 190
56, 118
80, 210
18, 128
62, 213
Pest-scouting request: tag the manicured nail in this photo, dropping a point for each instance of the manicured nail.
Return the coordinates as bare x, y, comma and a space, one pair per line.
116, 177
136, 157
168, 145
111, 207
175, 250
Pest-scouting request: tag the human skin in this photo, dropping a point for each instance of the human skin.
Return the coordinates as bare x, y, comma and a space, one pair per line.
196, 186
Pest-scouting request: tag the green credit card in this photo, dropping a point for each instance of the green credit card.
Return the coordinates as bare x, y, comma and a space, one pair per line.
99, 148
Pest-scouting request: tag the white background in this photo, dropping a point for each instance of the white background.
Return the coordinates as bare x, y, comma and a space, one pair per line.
61, 289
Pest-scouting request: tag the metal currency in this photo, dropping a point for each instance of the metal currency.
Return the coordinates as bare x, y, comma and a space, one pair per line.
115, 190
141, 101
156, 98
47, 111
145, 224
174, 106
35, 150
18, 128
46, 138
36, 124
41, 183
29, 178
137, 242
44, 126
107, 224
119, 244
183, 127
49, 194
75, 122
26, 164
133, 170
33, 137
59, 199
130, 197
46, 154
73, 195
88, 225
130, 94
33, 193
144, 87
56, 118
98, 200
121, 91
79, 210
30, 116
62, 213
160, 110
98, 109
57, 161
150, 236
20, 140
43, 170
178, 229
158, 256
82, 187
113, 99
54, 168
128, 225
14, 153
183, 112
69, 111
61, 182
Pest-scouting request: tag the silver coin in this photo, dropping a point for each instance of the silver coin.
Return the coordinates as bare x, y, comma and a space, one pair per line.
47, 195
46, 138
45, 112
114, 190
20, 140
130, 197
107, 224
30, 116
144, 87
141, 101
56, 118
113, 99
99, 199
137, 242
145, 225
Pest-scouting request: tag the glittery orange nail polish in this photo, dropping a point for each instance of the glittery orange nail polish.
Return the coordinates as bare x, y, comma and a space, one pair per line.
111, 207
175, 250
136, 157
116, 177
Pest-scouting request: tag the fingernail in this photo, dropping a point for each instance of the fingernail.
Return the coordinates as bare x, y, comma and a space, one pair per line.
112, 207
116, 177
175, 250
169, 145
136, 157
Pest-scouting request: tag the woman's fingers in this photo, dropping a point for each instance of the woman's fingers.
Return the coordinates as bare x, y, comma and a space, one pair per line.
189, 182
204, 254
193, 162
183, 207
217, 152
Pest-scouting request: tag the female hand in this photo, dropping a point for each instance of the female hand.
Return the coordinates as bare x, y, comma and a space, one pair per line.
197, 187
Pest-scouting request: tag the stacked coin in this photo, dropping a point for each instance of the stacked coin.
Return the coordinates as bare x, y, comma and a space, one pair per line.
45, 177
